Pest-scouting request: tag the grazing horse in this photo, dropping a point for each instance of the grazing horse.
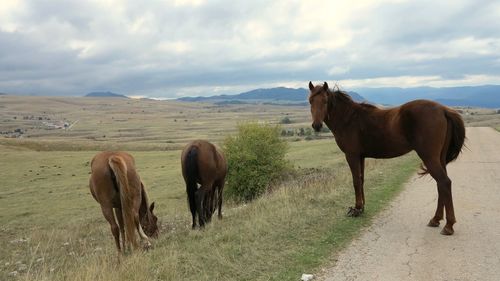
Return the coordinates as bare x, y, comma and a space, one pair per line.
203, 163
114, 183
362, 130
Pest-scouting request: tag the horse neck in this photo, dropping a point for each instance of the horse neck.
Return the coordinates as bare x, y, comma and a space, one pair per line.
144, 208
341, 111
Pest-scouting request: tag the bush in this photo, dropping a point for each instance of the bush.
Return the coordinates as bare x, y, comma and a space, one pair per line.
286, 120
256, 156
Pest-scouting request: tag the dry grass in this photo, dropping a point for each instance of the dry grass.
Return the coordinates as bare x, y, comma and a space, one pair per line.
125, 124
272, 238
481, 117
52, 229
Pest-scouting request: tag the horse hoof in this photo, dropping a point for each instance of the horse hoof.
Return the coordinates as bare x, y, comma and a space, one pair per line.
447, 231
354, 212
147, 245
433, 223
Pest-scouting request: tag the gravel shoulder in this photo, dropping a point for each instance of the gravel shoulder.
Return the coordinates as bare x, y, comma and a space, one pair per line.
399, 245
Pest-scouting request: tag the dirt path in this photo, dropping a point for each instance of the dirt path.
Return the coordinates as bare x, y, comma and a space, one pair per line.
399, 245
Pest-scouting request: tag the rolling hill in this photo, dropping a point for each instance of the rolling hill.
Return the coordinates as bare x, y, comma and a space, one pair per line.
279, 95
105, 95
479, 96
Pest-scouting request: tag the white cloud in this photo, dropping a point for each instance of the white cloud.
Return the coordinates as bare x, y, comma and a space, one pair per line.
338, 70
415, 81
184, 47
194, 3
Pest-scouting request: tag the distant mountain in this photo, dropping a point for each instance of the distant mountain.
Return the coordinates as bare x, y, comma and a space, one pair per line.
280, 95
2, 94
105, 95
480, 96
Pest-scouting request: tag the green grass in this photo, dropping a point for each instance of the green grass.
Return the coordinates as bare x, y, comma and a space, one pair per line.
52, 229
275, 237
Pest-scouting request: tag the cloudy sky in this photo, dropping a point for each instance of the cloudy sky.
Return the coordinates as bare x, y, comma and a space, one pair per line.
200, 47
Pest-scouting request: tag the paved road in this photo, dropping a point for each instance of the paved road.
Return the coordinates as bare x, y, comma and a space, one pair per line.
399, 245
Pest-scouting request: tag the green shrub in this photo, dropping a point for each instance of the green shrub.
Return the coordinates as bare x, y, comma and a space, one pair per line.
309, 137
256, 156
286, 120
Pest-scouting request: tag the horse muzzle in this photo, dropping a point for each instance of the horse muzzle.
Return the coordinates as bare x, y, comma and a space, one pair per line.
317, 126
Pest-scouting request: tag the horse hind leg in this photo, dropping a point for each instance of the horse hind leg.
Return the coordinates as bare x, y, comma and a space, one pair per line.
438, 216
193, 209
119, 218
201, 202
115, 230
445, 200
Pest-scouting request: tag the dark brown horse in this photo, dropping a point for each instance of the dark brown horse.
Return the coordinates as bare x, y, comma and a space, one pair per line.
361, 130
203, 163
114, 183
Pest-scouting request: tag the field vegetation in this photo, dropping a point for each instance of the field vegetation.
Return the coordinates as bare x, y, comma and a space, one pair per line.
52, 229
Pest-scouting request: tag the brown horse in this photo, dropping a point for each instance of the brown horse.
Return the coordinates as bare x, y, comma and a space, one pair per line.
362, 130
203, 163
114, 183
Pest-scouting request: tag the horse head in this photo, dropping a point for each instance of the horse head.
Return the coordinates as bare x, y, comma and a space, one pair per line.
318, 98
149, 222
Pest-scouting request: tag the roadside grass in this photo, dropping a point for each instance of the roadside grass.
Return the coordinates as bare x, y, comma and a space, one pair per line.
52, 229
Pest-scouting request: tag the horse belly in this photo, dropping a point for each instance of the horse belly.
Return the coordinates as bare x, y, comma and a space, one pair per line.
386, 147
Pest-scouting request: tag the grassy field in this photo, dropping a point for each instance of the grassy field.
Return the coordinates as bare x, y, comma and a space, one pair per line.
52, 229
480, 117
127, 124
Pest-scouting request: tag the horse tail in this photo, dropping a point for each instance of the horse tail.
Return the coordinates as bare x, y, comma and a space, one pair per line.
191, 169
457, 130
119, 169
455, 137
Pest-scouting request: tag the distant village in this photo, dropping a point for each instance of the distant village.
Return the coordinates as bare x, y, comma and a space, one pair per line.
46, 123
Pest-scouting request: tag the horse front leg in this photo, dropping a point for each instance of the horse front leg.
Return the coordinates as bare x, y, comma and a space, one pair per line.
220, 190
354, 162
146, 244
362, 174
208, 205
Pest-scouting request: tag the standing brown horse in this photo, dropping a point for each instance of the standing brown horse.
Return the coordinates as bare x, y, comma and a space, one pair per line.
361, 130
114, 183
203, 163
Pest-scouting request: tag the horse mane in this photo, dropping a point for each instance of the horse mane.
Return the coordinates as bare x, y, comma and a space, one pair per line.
338, 96
345, 110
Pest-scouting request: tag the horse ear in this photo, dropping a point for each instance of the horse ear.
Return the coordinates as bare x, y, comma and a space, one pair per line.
325, 86
152, 207
311, 86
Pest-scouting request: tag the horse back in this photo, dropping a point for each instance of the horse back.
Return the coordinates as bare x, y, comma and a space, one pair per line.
211, 162
102, 181
387, 133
